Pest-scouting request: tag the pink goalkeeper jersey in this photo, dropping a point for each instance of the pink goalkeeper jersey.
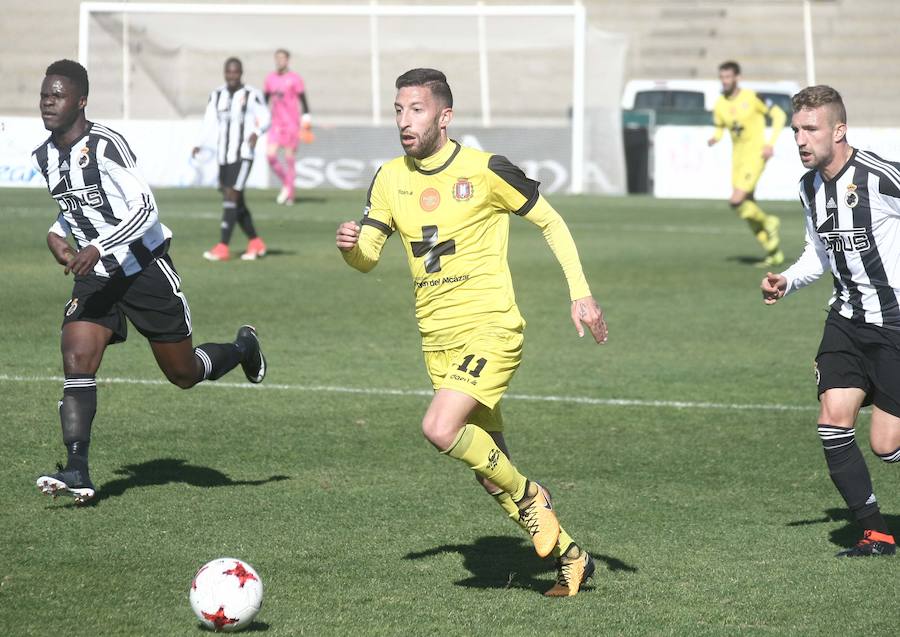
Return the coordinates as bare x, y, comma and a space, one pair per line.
284, 92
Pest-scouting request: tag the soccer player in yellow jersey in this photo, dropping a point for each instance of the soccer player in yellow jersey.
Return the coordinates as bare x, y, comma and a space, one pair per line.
451, 206
743, 113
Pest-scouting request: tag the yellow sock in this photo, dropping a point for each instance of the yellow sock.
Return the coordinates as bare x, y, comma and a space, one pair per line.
477, 449
506, 503
761, 235
563, 543
756, 219
749, 210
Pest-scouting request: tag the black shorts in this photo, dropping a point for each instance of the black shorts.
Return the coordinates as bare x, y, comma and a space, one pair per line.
151, 299
856, 354
235, 175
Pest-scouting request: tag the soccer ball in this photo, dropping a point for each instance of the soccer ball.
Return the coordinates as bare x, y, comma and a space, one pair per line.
226, 594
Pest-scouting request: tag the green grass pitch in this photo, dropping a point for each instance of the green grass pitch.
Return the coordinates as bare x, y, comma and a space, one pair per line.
702, 492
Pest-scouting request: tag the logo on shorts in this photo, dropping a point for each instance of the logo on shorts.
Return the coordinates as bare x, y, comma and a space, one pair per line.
493, 458
851, 198
818, 375
71, 306
430, 199
463, 190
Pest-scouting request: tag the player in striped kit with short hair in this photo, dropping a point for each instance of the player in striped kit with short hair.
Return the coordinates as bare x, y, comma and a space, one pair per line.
236, 116
121, 269
851, 199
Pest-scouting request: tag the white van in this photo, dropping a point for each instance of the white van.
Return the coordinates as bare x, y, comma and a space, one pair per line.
686, 96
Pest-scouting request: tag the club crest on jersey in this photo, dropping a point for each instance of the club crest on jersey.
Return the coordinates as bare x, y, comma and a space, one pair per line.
71, 306
463, 189
851, 198
430, 199
85, 157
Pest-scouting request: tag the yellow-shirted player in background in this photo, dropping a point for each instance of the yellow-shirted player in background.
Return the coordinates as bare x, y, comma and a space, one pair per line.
743, 113
451, 206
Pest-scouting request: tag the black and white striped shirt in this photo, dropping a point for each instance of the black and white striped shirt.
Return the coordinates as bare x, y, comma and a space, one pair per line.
103, 200
853, 228
231, 118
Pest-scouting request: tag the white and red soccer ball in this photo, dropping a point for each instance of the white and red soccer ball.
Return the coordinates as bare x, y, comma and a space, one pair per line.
226, 594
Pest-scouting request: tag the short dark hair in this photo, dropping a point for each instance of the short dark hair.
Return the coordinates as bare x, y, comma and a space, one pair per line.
285, 51
730, 65
234, 60
73, 71
821, 95
432, 78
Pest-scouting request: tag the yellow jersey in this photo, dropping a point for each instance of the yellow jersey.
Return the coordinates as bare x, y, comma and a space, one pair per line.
744, 115
452, 212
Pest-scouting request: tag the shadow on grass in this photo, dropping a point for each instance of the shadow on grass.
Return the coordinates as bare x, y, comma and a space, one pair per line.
745, 260
277, 252
254, 627
168, 470
848, 534
508, 562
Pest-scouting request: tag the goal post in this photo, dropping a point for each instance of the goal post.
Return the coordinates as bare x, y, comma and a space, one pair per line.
511, 66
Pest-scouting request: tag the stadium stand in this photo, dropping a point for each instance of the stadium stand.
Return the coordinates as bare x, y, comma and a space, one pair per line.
667, 39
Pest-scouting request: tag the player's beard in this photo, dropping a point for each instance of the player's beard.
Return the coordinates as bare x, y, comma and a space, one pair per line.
430, 140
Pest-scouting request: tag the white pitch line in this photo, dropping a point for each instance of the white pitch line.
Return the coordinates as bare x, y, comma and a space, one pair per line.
383, 391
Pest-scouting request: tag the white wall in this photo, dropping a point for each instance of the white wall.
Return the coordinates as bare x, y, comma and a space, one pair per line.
341, 157
685, 167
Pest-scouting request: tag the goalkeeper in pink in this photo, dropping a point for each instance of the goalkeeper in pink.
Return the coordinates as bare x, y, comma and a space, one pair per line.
291, 122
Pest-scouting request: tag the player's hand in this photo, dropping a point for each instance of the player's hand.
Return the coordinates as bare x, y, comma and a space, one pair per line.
82, 262
60, 248
586, 311
305, 134
251, 141
347, 236
773, 288
767, 152
711, 141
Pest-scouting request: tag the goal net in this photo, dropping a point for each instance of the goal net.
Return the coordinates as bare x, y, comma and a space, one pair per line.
532, 82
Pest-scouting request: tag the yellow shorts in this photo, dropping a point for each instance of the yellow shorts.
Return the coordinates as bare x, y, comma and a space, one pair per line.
746, 170
482, 369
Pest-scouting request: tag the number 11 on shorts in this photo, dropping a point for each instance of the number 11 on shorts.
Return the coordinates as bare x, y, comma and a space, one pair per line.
479, 365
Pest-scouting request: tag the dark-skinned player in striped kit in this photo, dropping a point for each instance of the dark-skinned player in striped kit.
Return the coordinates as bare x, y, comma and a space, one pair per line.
121, 267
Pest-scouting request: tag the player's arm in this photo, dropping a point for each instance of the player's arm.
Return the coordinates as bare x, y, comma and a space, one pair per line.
805, 270
257, 119
515, 192
718, 126
119, 166
57, 235
779, 119
361, 243
305, 115
585, 309
57, 242
304, 105
210, 123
